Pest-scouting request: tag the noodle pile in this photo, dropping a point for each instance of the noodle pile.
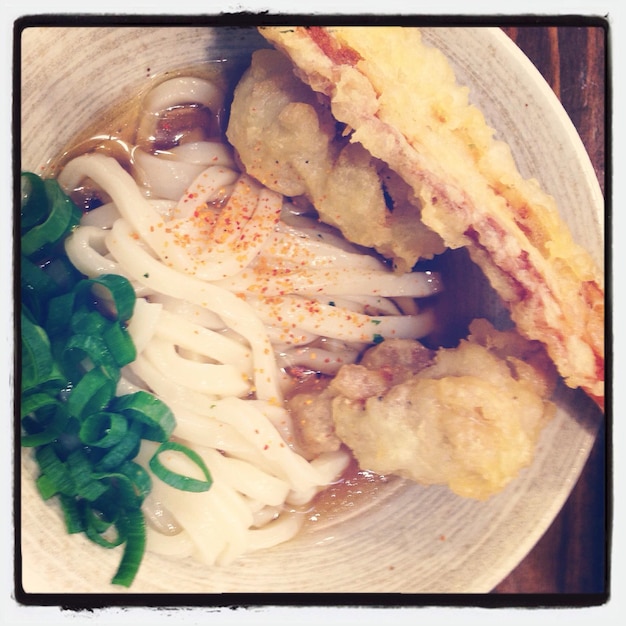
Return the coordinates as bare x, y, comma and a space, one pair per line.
235, 286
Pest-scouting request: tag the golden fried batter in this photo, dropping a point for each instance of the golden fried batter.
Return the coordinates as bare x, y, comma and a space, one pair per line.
286, 138
469, 420
401, 99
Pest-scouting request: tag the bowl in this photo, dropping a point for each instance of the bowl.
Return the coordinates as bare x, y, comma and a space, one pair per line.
405, 538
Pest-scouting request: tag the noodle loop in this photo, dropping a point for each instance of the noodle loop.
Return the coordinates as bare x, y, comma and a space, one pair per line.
235, 287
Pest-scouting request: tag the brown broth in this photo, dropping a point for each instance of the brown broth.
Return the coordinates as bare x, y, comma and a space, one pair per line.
118, 124
355, 489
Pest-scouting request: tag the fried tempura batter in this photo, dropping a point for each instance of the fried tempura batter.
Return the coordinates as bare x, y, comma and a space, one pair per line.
402, 102
286, 138
470, 420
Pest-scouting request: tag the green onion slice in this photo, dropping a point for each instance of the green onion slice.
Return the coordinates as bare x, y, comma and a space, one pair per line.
178, 481
63, 215
154, 414
91, 394
43, 418
110, 289
120, 344
103, 429
38, 366
138, 477
58, 478
122, 451
134, 528
37, 286
101, 531
34, 203
73, 513
86, 352
88, 486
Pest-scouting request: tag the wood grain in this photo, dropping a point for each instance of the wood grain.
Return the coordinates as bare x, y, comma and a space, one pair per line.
571, 558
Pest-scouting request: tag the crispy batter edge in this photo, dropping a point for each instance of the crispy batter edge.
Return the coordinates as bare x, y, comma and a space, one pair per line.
531, 286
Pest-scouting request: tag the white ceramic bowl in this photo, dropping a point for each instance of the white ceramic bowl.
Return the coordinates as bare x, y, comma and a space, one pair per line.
410, 538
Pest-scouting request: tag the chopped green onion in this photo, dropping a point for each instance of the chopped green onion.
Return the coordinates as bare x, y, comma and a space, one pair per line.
59, 314
92, 393
83, 353
103, 429
38, 366
110, 288
97, 528
46, 487
43, 417
72, 513
34, 201
62, 217
135, 532
122, 451
158, 419
37, 285
58, 476
88, 486
119, 344
185, 483
139, 478
84, 321
75, 341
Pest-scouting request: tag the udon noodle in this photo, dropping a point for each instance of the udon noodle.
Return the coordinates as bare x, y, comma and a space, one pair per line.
236, 286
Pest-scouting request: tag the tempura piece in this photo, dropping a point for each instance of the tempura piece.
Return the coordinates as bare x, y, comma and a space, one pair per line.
469, 420
401, 101
286, 137
387, 364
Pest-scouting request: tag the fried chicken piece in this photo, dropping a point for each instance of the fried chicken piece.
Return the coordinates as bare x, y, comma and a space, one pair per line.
471, 419
287, 139
383, 366
312, 419
401, 100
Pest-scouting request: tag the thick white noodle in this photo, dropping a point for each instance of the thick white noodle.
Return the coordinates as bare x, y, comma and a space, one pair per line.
102, 218
204, 341
210, 378
85, 247
204, 153
296, 312
234, 287
144, 322
183, 90
178, 546
174, 92
233, 310
162, 177
342, 281
206, 187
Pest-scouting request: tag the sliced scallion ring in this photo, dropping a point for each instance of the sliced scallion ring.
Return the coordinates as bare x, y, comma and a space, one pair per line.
92, 393
178, 481
113, 289
103, 429
37, 361
43, 418
156, 416
134, 528
62, 217
122, 451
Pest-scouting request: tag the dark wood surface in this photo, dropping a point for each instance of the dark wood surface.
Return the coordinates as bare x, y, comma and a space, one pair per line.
571, 557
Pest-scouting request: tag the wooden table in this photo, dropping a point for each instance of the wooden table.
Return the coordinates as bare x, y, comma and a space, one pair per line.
570, 558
